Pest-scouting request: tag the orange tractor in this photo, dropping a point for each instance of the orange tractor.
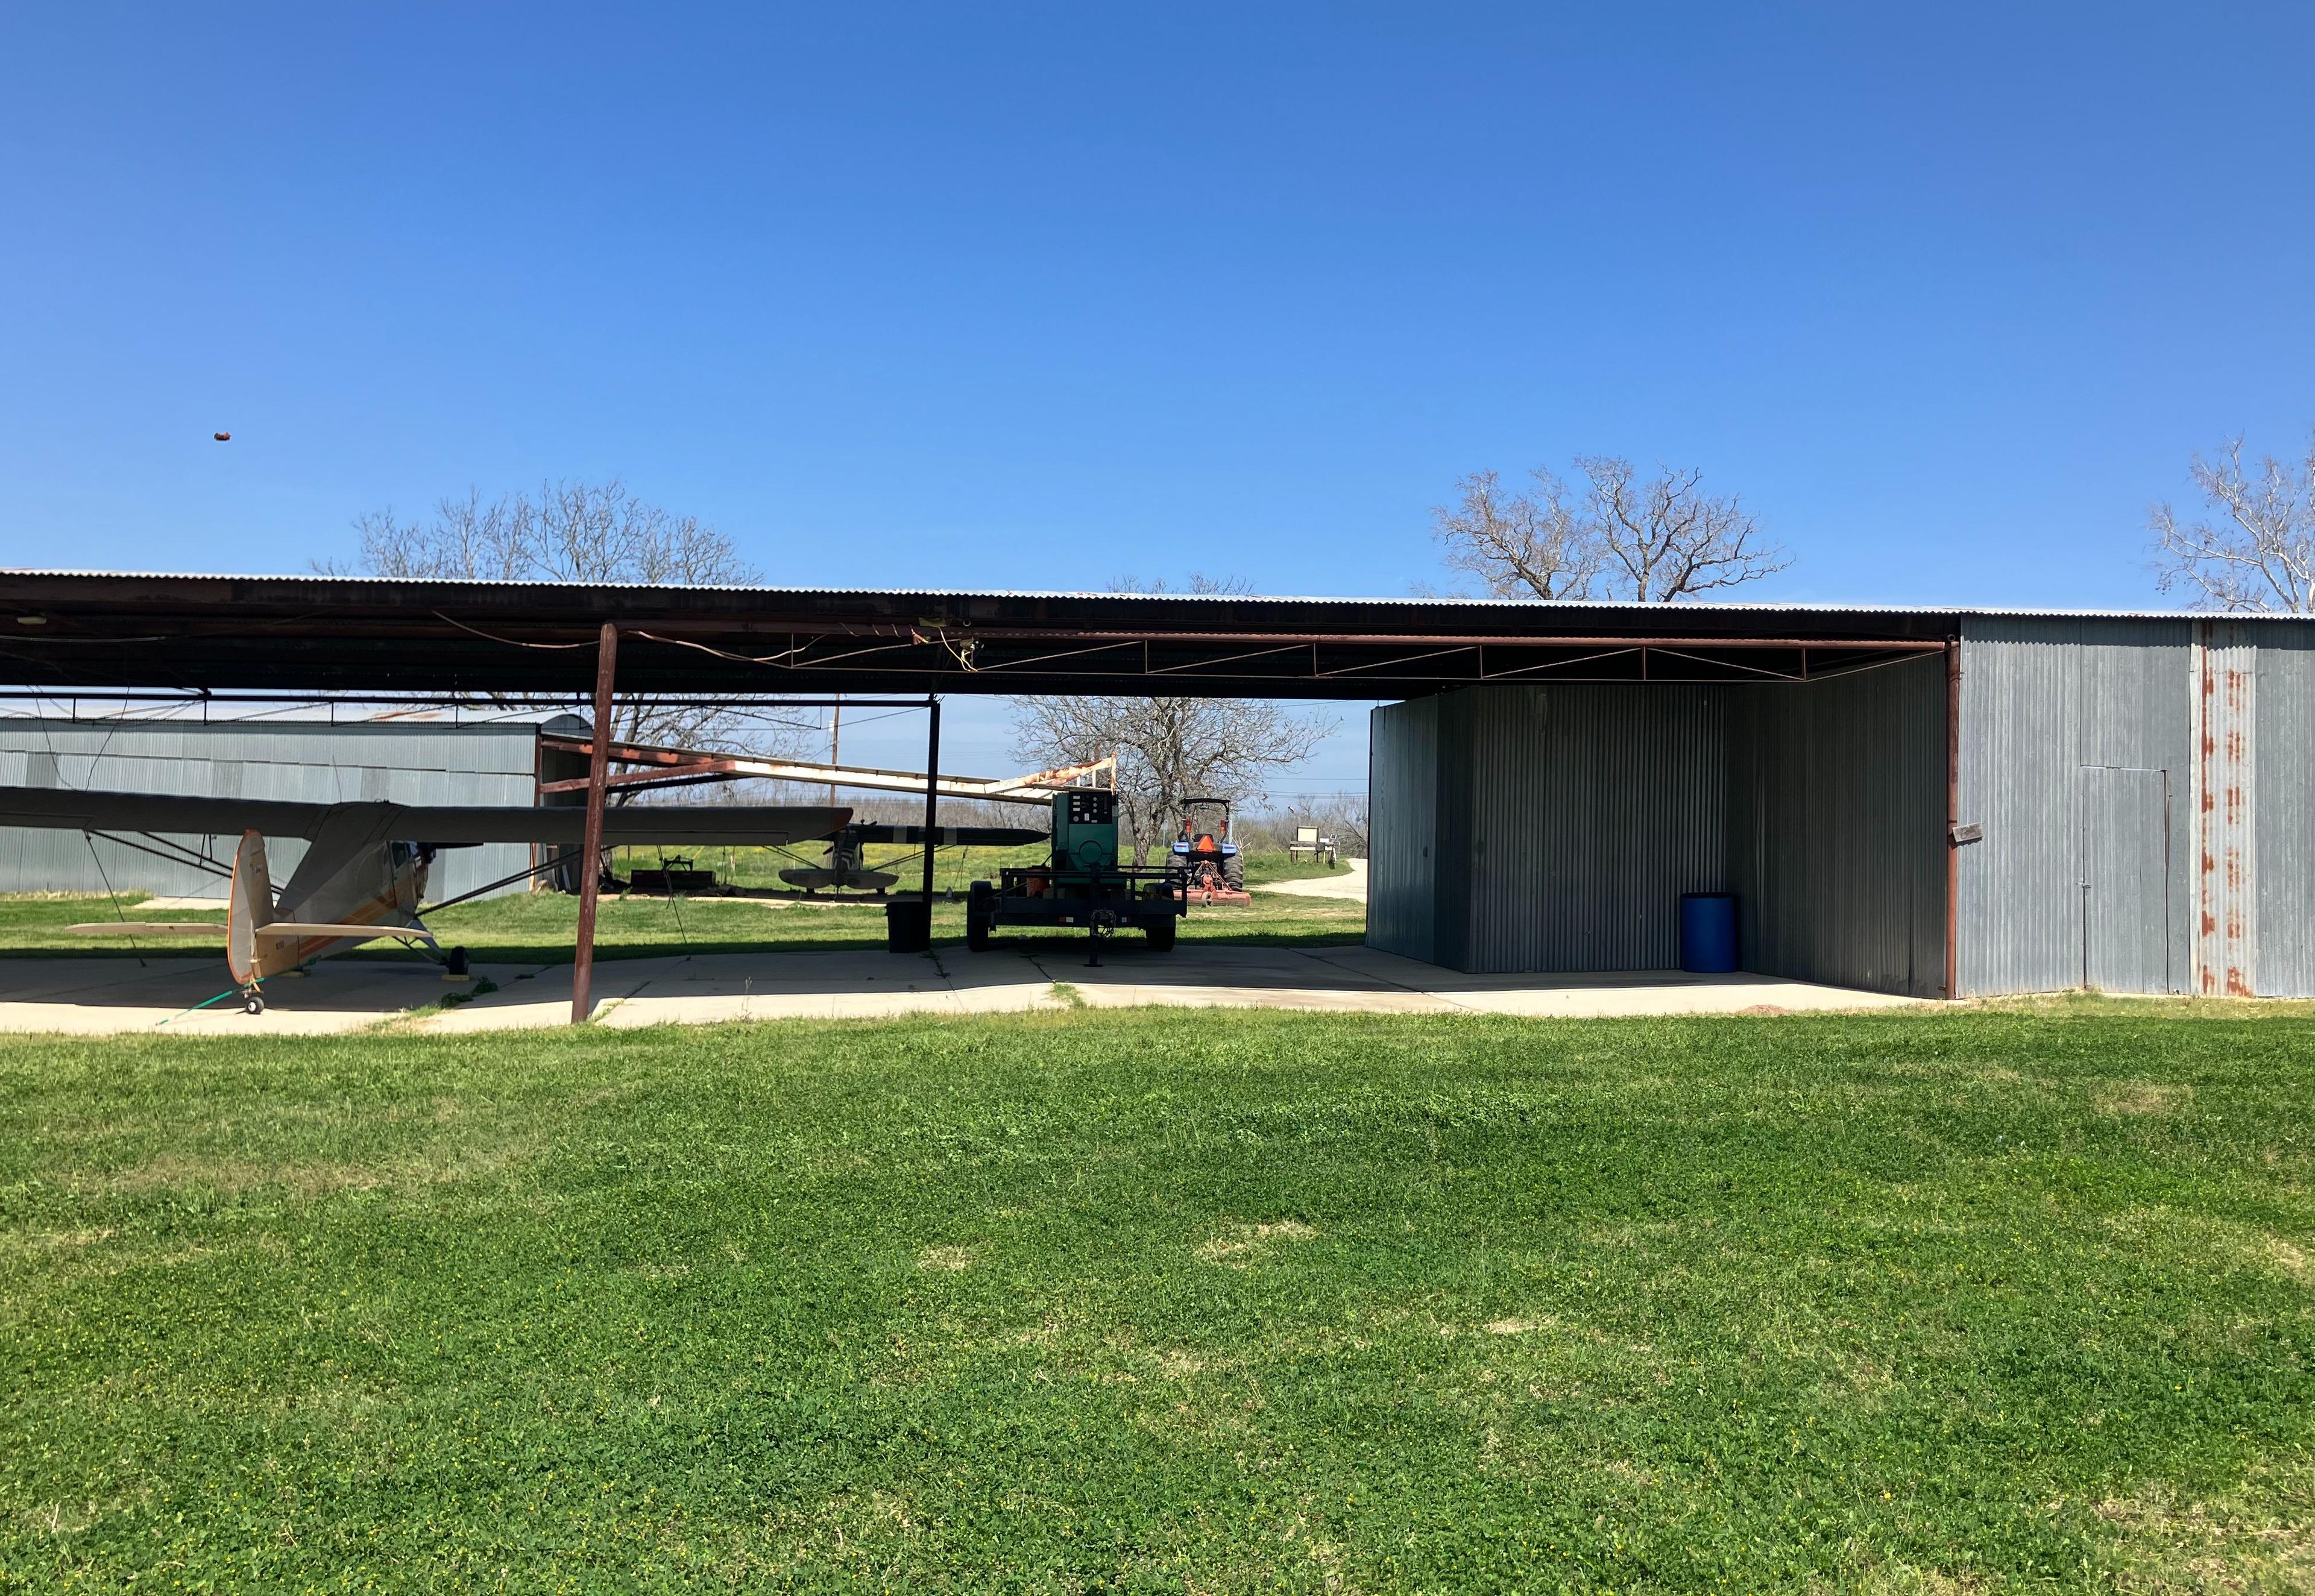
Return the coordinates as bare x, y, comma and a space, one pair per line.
1204, 848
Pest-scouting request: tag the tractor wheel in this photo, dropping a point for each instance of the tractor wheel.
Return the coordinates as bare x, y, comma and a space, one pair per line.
1234, 872
1161, 935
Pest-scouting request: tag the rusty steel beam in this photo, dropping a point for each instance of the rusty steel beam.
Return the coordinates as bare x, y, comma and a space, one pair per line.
599, 774
655, 776
1129, 635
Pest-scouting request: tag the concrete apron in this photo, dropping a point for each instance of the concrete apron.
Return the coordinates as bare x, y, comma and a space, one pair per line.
109, 996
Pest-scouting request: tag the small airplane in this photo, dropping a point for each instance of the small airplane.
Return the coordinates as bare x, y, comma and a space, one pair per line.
364, 872
846, 867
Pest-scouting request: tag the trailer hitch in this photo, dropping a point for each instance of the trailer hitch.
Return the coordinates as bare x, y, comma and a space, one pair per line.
1101, 923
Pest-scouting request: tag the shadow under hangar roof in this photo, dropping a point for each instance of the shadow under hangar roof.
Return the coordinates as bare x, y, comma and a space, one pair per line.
311, 634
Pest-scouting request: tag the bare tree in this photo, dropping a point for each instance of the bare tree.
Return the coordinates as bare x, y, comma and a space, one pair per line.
1342, 816
576, 532
1654, 541
1168, 750
572, 532
1527, 543
2259, 554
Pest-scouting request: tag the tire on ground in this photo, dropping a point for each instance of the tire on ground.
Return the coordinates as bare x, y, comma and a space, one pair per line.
1161, 935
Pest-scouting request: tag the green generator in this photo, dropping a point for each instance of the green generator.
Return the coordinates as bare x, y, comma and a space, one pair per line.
1082, 885
1085, 831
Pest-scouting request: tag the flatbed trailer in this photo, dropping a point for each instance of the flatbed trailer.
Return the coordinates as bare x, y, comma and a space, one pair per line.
1127, 897
1083, 885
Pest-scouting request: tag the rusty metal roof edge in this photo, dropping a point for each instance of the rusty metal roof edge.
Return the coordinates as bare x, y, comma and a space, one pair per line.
1814, 606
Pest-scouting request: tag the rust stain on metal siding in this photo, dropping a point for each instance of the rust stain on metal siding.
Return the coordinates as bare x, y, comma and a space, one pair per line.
2226, 877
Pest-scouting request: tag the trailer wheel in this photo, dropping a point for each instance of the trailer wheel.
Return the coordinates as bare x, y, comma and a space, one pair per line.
1161, 935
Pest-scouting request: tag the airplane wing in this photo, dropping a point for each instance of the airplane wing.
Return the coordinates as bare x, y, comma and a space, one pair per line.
305, 930
148, 928
280, 930
949, 836
631, 825
672, 825
156, 811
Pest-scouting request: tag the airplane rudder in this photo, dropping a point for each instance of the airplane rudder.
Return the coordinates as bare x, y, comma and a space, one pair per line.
249, 906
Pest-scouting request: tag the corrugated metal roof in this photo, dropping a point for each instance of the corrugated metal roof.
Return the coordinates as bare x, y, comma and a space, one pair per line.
354, 635
1811, 607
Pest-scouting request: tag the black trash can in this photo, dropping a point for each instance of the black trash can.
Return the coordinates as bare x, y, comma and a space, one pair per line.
909, 926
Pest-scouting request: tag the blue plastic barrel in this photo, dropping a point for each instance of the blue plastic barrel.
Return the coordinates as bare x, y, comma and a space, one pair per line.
1708, 932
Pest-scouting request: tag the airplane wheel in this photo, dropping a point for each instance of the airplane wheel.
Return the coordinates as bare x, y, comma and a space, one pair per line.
253, 1004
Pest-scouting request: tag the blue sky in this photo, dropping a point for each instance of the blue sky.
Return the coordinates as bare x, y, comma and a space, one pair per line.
1046, 295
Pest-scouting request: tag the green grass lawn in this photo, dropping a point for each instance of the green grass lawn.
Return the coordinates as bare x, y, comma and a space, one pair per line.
1989, 1300
540, 927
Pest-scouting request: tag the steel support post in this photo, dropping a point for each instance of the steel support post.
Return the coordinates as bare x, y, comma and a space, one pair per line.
932, 806
590, 862
1953, 818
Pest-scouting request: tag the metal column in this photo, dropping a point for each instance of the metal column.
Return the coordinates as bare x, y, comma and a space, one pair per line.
932, 808
590, 862
1952, 981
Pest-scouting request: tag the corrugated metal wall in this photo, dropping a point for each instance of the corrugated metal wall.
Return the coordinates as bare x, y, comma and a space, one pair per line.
2049, 707
1592, 809
301, 762
1565, 822
2101, 760
1837, 825
1402, 797
2283, 810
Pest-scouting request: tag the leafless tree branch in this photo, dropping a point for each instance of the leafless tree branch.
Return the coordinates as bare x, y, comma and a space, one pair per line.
1654, 541
574, 532
2259, 553
1168, 750
1523, 544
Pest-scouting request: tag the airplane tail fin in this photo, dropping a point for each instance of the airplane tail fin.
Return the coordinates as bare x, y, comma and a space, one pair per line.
249, 906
